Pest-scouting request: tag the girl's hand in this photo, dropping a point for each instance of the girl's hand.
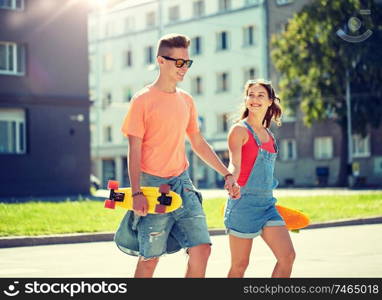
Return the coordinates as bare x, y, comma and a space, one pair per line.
232, 186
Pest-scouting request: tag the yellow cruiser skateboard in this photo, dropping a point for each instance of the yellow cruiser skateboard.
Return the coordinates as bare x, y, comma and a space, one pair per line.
161, 200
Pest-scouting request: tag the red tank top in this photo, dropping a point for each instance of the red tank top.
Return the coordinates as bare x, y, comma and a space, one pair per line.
249, 154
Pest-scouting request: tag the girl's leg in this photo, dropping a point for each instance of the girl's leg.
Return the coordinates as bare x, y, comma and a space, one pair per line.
278, 239
240, 252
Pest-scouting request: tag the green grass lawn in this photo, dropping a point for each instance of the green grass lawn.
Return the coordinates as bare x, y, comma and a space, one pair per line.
44, 218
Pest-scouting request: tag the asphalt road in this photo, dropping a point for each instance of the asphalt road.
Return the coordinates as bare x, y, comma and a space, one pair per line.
348, 251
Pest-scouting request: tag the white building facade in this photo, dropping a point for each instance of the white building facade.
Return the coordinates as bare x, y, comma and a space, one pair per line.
228, 46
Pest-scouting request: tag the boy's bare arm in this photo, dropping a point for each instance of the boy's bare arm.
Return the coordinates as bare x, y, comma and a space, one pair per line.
134, 164
208, 155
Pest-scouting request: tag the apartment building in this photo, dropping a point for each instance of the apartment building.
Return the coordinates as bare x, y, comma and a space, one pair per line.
310, 156
44, 103
228, 46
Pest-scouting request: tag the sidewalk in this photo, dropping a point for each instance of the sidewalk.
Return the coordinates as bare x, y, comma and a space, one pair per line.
279, 192
22, 241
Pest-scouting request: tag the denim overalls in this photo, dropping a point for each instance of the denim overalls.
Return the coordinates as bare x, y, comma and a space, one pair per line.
245, 217
156, 234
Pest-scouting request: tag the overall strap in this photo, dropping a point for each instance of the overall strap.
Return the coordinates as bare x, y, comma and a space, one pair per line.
258, 142
274, 140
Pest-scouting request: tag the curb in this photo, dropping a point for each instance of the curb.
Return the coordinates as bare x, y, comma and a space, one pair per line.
24, 241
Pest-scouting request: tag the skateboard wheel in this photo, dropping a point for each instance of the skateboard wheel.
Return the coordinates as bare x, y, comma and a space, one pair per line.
109, 204
112, 185
160, 209
164, 188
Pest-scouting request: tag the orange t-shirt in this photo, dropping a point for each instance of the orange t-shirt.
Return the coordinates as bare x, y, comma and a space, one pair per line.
162, 120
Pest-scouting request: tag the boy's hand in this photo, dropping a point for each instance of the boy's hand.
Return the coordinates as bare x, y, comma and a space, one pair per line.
140, 205
232, 187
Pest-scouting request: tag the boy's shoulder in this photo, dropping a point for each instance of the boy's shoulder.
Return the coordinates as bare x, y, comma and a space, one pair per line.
142, 93
182, 92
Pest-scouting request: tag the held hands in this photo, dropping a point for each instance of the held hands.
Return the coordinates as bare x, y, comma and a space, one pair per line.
231, 186
140, 205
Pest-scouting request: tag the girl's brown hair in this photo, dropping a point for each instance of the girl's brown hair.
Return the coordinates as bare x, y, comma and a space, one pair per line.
274, 111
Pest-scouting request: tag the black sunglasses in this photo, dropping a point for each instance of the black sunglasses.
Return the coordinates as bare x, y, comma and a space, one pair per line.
179, 62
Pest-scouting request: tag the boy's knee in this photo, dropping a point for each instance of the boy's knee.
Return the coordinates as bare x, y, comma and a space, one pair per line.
206, 250
202, 251
148, 263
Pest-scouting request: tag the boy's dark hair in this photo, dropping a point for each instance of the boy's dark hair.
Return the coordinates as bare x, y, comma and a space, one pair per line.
172, 40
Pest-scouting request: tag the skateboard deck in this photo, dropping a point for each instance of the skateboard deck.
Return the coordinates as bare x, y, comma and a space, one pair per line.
160, 200
294, 219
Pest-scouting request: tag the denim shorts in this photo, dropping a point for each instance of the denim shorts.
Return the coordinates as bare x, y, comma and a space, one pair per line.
185, 227
247, 216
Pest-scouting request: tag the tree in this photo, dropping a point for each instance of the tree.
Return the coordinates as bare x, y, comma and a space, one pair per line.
313, 58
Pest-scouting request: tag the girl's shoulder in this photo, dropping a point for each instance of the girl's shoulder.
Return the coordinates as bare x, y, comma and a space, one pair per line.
239, 129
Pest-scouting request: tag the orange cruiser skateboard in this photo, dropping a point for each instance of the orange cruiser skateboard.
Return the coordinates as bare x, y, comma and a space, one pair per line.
294, 219
160, 200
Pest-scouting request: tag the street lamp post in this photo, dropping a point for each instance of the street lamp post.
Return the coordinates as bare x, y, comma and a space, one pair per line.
349, 129
99, 7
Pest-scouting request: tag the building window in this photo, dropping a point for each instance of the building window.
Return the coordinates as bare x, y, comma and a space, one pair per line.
288, 149
125, 172
198, 8
281, 27
248, 38
12, 58
223, 122
108, 135
288, 116
323, 147
196, 45
361, 146
93, 130
283, 2
92, 64
202, 123
222, 41
173, 13
129, 24
108, 171
128, 58
224, 5
12, 4
197, 86
109, 29
249, 74
107, 62
92, 94
149, 55
107, 99
252, 2
222, 82
128, 94
92, 32
12, 131
150, 19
